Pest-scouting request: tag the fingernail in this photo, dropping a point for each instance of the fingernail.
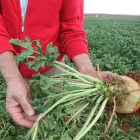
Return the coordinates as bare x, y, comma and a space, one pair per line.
31, 112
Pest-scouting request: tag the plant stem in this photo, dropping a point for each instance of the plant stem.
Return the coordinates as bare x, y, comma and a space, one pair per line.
73, 125
90, 78
54, 105
35, 133
73, 74
32, 130
70, 80
66, 66
61, 94
86, 94
78, 112
110, 120
81, 109
31, 57
98, 73
59, 102
62, 74
74, 82
90, 116
6, 132
80, 85
94, 121
74, 101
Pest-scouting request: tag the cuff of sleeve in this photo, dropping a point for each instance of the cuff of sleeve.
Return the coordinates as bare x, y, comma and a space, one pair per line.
5, 46
75, 48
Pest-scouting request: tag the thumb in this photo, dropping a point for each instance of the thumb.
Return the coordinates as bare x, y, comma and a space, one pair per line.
26, 106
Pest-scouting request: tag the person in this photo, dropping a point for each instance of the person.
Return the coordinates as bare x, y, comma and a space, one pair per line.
57, 21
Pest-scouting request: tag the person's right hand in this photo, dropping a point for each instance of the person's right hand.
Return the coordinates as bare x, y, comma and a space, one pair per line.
16, 104
17, 92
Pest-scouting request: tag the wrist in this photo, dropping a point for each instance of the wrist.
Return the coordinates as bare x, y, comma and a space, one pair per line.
8, 67
83, 64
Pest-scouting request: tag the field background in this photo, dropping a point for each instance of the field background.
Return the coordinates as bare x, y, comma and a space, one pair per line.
110, 15
114, 44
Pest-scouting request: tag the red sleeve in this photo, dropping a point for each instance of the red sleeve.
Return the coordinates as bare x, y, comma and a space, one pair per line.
4, 37
72, 36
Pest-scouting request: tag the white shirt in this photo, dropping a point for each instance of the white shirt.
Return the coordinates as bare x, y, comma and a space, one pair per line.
23, 5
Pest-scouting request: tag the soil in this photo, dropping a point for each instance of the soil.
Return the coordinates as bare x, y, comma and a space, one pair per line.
135, 76
124, 125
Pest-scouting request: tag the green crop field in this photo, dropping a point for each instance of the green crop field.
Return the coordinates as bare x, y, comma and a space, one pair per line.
114, 44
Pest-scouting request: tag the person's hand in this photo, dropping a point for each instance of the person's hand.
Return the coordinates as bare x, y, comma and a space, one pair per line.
17, 92
103, 74
83, 64
106, 74
16, 104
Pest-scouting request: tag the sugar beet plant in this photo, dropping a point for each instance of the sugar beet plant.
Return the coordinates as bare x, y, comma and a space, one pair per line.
73, 111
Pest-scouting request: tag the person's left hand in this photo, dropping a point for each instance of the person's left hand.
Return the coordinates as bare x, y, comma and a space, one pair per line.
103, 74
83, 64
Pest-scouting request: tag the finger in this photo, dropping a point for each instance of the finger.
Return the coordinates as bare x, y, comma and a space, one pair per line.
26, 123
29, 95
23, 121
17, 115
28, 91
107, 74
114, 74
26, 106
31, 118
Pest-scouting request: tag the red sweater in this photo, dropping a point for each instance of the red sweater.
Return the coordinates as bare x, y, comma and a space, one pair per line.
57, 21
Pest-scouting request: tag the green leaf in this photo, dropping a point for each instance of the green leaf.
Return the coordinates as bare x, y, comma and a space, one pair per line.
42, 63
33, 65
51, 54
41, 132
13, 130
36, 42
46, 83
50, 123
10, 138
108, 66
21, 43
71, 87
38, 57
67, 137
57, 112
48, 59
23, 56
48, 103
